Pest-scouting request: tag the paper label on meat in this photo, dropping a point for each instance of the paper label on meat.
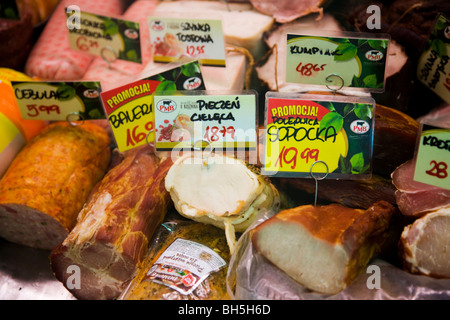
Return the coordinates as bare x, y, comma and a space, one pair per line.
103, 36
315, 134
130, 108
432, 156
433, 68
201, 39
184, 265
59, 101
222, 121
358, 62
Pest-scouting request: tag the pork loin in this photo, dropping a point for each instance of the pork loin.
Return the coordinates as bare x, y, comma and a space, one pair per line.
424, 244
49, 181
115, 226
324, 248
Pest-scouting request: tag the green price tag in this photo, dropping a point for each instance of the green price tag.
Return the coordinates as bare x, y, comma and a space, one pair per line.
316, 133
57, 101
432, 157
355, 61
106, 37
433, 68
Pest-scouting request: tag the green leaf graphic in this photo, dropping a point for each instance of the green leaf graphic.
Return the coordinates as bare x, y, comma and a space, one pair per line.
331, 119
346, 52
370, 81
190, 69
357, 162
439, 46
363, 111
378, 44
166, 85
111, 28
65, 92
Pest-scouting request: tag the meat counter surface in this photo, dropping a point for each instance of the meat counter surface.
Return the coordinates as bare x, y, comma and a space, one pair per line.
25, 274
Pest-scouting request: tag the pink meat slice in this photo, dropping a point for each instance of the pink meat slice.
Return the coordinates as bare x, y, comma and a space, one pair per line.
415, 198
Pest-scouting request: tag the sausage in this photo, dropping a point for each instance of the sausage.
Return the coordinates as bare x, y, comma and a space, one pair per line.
115, 227
48, 182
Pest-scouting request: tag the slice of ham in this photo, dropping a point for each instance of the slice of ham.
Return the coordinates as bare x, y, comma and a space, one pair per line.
424, 245
415, 198
286, 11
51, 57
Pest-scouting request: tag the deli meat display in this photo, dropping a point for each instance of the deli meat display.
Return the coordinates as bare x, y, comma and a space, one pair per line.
224, 150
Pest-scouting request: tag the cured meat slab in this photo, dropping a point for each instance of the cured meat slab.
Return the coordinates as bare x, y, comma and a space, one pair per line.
324, 248
49, 181
115, 226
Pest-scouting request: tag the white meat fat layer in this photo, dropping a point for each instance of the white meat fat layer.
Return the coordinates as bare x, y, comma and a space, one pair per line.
217, 189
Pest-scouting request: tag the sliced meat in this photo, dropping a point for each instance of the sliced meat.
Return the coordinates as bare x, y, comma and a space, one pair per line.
285, 10
49, 181
324, 248
115, 226
415, 198
425, 244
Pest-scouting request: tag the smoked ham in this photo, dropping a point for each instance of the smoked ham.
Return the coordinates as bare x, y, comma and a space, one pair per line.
424, 245
115, 226
324, 248
49, 181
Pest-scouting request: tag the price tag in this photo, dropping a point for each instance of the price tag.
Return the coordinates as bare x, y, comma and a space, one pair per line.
107, 37
223, 121
334, 132
130, 108
173, 38
55, 101
359, 62
9, 10
432, 156
433, 68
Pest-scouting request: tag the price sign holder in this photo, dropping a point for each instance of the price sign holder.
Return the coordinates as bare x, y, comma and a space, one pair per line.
333, 133
106, 37
432, 161
198, 119
130, 108
433, 68
359, 59
201, 39
58, 101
